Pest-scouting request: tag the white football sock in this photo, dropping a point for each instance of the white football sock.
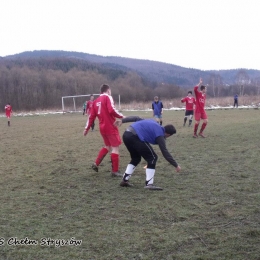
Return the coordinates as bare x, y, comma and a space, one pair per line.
149, 176
129, 171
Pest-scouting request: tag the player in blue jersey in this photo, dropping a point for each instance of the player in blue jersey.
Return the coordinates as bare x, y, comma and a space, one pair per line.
157, 107
137, 139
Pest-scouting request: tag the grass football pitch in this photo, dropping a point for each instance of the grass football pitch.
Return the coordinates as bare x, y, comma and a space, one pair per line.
51, 198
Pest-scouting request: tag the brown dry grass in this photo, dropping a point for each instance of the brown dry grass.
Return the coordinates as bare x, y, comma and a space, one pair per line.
222, 102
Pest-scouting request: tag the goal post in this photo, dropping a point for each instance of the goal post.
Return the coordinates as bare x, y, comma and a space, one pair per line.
80, 96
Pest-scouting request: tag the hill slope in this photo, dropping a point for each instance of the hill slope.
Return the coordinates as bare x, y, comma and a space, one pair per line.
150, 70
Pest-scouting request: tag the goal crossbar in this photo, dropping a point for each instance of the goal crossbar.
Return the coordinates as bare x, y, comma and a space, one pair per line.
62, 99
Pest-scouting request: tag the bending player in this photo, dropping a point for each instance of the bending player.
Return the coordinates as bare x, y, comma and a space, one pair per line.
137, 139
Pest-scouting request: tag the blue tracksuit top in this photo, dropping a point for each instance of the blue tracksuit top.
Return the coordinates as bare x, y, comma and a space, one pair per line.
148, 130
157, 108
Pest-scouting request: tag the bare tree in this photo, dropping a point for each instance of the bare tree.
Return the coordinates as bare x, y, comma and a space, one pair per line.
215, 80
242, 79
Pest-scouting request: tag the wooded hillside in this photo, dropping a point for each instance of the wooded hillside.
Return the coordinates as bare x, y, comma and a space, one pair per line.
38, 79
40, 83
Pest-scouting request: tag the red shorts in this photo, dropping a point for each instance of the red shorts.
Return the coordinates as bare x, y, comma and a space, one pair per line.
112, 140
200, 115
8, 115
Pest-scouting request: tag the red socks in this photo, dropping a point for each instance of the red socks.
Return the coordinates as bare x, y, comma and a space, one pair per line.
114, 159
101, 155
196, 128
203, 127
115, 162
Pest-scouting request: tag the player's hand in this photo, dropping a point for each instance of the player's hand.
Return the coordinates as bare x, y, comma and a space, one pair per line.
178, 169
118, 123
85, 132
200, 81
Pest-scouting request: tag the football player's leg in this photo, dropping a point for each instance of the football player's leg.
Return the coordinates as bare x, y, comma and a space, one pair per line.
147, 152
185, 118
160, 118
115, 142
184, 121
103, 151
204, 124
190, 120
101, 155
196, 125
93, 125
131, 142
157, 119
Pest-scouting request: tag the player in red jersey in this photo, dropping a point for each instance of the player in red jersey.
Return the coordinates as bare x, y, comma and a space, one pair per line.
103, 108
200, 112
8, 112
190, 101
88, 109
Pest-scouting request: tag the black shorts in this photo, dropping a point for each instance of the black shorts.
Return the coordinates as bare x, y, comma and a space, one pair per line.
189, 113
138, 149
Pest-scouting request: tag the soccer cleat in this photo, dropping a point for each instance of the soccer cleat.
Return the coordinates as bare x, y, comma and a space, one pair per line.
201, 135
94, 167
152, 187
126, 184
116, 174
195, 136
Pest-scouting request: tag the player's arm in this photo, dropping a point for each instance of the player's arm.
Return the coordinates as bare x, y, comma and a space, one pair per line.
153, 109
111, 108
198, 85
89, 122
161, 107
128, 119
183, 100
168, 157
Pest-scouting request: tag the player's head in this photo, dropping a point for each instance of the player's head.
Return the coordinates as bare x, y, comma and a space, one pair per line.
91, 97
203, 88
156, 98
105, 89
189, 93
169, 130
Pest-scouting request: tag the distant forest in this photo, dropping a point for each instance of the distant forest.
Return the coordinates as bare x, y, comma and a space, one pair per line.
31, 82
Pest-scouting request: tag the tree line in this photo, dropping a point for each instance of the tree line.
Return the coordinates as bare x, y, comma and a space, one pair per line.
40, 83
30, 84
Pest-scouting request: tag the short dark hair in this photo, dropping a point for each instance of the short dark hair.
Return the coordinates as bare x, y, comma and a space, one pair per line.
190, 92
170, 129
104, 88
202, 87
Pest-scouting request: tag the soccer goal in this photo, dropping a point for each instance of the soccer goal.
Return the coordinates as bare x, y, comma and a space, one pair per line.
75, 103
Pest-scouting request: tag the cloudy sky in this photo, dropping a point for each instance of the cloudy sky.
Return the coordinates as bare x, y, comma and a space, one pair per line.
201, 34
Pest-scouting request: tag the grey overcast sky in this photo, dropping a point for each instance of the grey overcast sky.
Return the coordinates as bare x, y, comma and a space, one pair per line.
200, 34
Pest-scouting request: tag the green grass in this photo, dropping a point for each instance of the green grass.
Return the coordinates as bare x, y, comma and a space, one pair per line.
211, 210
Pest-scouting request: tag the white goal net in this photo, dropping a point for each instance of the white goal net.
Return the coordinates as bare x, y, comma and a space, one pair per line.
75, 103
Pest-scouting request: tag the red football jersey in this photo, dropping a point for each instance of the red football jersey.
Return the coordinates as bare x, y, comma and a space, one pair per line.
8, 110
200, 100
189, 102
89, 106
103, 108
